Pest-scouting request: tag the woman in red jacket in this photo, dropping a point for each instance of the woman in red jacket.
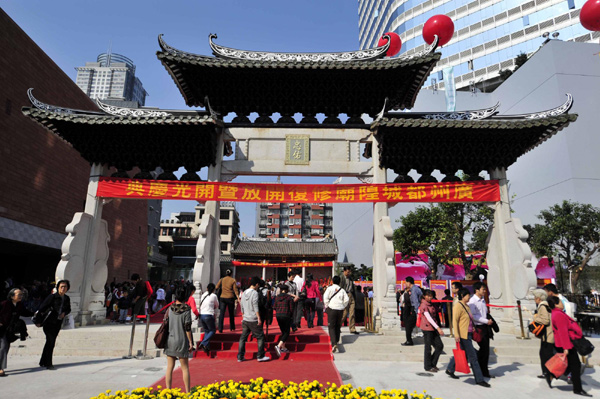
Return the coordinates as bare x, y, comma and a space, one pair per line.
565, 331
430, 325
313, 296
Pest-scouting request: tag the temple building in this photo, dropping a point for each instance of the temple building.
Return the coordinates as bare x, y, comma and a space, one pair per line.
272, 259
342, 86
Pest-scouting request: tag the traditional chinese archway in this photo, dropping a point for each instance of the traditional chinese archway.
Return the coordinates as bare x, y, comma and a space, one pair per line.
351, 83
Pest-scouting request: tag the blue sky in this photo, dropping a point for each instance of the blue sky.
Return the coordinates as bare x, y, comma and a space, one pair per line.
73, 32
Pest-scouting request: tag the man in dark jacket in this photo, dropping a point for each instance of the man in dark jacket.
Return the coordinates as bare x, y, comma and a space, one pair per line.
139, 296
410, 320
348, 285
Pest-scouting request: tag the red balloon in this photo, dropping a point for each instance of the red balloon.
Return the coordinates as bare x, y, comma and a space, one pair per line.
590, 15
440, 25
395, 43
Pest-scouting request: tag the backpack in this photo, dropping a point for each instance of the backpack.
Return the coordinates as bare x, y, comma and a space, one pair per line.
538, 329
262, 300
265, 305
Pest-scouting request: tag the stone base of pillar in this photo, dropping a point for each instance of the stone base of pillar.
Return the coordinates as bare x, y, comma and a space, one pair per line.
508, 319
89, 318
387, 320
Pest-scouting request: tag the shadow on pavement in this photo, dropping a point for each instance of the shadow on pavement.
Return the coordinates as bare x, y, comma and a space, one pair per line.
507, 368
59, 366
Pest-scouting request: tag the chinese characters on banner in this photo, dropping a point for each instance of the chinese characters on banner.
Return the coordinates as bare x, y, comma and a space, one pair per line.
475, 191
299, 264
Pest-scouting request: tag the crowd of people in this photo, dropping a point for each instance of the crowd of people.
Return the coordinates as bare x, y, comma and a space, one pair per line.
472, 323
48, 314
288, 302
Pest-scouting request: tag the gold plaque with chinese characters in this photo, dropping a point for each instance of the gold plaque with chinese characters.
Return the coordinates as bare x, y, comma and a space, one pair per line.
297, 150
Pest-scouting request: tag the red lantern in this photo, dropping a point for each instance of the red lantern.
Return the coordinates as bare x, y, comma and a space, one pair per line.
440, 25
395, 43
590, 15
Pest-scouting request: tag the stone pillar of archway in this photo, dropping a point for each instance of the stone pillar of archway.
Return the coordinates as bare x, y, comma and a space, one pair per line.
384, 270
85, 254
208, 248
511, 276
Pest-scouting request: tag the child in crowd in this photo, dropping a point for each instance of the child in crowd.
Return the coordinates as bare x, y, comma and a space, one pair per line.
124, 305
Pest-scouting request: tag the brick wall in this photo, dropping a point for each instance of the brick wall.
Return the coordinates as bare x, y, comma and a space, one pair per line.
44, 180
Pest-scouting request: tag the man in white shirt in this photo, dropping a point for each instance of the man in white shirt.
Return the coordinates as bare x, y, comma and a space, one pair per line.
567, 307
160, 298
299, 310
335, 299
482, 324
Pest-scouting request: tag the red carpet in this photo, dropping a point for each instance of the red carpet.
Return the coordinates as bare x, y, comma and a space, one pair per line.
309, 359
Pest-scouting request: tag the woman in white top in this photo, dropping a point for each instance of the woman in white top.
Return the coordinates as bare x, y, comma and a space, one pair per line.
336, 300
208, 304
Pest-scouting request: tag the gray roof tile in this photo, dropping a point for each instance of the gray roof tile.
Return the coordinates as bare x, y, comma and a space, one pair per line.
285, 248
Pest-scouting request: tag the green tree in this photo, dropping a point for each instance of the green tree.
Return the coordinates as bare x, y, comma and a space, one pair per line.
444, 231
519, 61
365, 271
569, 232
505, 73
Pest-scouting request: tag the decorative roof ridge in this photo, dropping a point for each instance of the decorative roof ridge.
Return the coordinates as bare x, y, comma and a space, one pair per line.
144, 112
54, 108
557, 111
115, 111
135, 112
248, 55
176, 52
482, 114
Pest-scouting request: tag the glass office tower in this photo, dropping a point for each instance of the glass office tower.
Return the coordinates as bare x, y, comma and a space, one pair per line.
111, 76
488, 34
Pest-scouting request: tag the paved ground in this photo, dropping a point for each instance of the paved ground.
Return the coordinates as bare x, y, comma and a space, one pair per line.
82, 378
512, 381
76, 377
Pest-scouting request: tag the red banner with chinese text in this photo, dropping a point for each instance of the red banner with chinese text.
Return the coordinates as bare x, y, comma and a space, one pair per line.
299, 264
475, 191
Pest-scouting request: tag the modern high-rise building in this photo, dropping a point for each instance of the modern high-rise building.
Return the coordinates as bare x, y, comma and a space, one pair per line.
111, 76
274, 220
488, 34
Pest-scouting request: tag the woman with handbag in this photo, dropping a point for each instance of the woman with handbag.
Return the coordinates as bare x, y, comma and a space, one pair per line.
179, 343
431, 331
542, 317
58, 305
10, 312
462, 323
566, 330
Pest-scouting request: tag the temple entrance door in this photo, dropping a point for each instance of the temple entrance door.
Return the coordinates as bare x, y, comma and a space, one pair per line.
281, 274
